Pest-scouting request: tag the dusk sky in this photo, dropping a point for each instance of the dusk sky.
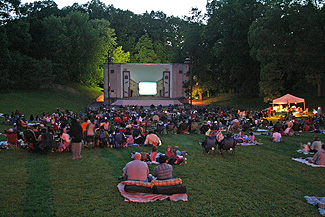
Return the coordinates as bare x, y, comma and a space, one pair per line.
169, 7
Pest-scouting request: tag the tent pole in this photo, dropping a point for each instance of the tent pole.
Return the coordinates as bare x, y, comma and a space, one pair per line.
304, 106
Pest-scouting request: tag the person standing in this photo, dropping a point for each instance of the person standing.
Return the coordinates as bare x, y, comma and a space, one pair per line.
76, 138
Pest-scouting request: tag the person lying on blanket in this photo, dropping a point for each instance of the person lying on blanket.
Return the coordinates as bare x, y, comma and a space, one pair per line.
136, 170
319, 157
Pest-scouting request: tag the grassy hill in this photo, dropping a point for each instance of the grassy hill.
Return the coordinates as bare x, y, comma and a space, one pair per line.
256, 181
47, 100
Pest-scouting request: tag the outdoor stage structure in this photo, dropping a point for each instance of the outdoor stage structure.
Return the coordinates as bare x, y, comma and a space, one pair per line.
145, 84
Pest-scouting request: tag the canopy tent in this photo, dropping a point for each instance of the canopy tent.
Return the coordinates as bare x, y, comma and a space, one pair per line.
288, 99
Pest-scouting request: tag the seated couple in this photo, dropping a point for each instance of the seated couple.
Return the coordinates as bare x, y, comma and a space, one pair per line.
138, 170
228, 143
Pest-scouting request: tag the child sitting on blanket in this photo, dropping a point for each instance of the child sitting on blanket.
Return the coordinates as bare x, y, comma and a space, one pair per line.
305, 147
173, 159
251, 139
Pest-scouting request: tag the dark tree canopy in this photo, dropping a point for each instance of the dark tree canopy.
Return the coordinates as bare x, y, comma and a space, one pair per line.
243, 46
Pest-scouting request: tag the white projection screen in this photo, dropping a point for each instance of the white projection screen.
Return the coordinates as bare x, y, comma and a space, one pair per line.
147, 88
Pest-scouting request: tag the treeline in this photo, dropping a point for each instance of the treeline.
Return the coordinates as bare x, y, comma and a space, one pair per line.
258, 47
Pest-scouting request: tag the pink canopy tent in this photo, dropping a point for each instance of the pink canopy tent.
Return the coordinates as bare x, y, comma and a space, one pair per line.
288, 99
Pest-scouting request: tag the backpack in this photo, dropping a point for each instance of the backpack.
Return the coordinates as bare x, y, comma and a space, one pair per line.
120, 138
102, 136
47, 141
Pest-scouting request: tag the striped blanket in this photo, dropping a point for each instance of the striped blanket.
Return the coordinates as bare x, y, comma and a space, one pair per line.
145, 197
305, 161
317, 201
304, 152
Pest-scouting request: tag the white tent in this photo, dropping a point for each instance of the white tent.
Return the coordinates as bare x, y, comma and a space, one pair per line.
288, 99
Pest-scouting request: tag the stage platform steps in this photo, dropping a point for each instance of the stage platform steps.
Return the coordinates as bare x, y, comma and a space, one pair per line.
146, 102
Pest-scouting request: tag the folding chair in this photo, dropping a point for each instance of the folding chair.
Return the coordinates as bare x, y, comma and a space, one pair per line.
12, 139
170, 128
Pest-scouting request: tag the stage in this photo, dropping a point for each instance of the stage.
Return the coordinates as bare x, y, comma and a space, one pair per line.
146, 102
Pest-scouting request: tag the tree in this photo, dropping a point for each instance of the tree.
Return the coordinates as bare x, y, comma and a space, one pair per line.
8, 9
286, 42
144, 51
227, 29
273, 47
39, 9
55, 46
4, 60
119, 56
307, 24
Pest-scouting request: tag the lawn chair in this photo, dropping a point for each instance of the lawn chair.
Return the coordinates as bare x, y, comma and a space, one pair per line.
227, 145
170, 128
194, 127
12, 139
160, 128
183, 128
209, 144
30, 138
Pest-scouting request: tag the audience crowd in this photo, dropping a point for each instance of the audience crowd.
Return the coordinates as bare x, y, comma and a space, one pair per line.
120, 127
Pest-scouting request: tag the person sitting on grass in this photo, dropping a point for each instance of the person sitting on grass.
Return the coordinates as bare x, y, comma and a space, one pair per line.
316, 145
136, 170
101, 137
152, 139
251, 139
319, 157
164, 171
173, 159
276, 137
65, 141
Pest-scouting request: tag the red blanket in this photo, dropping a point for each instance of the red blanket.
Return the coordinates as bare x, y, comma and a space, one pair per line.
144, 197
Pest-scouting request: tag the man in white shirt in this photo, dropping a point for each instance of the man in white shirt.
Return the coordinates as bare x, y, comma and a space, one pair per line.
277, 137
136, 170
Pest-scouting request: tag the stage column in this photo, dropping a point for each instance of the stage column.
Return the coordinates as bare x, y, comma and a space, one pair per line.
106, 84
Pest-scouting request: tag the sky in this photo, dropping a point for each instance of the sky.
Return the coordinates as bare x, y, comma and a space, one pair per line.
170, 7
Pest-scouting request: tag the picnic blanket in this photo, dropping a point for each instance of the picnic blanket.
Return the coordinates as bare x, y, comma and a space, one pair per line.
305, 161
317, 201
145, 197
249, 143
304, 152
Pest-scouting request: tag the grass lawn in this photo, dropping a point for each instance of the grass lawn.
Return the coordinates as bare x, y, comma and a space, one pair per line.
47, 100
256, 181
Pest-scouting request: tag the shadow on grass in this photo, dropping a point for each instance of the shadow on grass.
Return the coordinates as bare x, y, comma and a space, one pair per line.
39, 201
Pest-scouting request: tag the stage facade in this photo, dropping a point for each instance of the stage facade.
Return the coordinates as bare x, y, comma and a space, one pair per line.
145, 83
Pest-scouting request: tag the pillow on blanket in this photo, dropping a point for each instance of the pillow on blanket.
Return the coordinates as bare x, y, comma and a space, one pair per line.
138, 183
168, 190
169, 182
137, 189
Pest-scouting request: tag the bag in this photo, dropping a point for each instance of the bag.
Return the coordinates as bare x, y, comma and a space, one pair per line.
47, 141
102, 137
